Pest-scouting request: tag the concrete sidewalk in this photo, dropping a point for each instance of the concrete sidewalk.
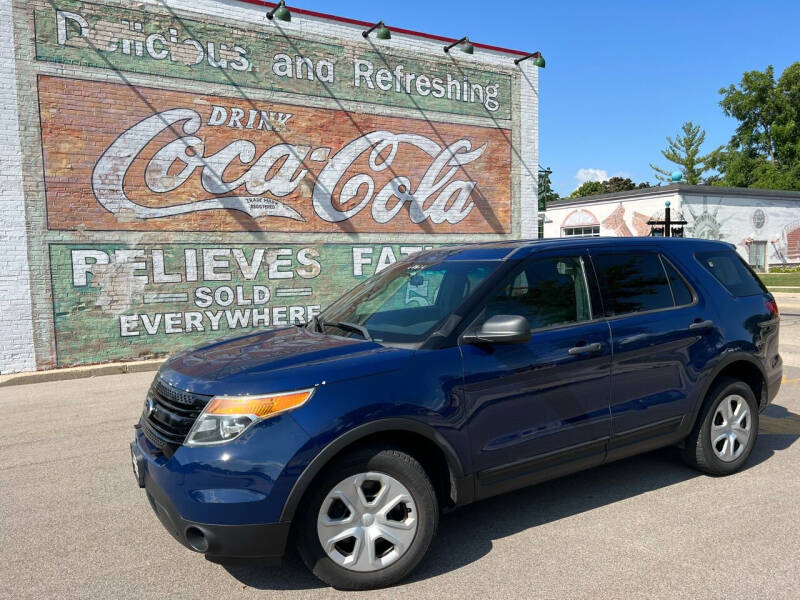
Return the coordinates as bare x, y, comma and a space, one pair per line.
82, 372
789, 307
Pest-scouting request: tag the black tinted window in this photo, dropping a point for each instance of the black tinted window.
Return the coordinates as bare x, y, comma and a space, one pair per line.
632, 283
683, 295
732, 272
546, 291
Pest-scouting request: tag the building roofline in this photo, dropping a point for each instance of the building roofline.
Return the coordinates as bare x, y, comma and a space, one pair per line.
651, 191
683, 189
411, 32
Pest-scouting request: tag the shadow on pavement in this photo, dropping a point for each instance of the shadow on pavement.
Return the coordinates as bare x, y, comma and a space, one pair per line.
467, 534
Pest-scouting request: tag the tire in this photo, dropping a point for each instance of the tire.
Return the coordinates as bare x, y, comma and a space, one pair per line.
383, 475
717, 444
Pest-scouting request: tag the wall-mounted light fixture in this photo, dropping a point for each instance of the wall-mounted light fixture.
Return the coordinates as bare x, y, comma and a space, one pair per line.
382, 32
466, 46
280, 12
539, 62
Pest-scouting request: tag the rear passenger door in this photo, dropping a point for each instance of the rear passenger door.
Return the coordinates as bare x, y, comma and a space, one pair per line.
662, 337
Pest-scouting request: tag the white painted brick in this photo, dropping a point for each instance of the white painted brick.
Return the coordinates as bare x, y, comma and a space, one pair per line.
16, 319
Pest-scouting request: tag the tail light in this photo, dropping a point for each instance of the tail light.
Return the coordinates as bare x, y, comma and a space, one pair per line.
772, 307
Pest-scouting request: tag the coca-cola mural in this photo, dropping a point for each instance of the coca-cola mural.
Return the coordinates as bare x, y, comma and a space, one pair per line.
164, 160
193, 170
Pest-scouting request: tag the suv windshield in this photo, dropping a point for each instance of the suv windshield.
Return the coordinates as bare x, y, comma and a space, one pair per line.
405, 303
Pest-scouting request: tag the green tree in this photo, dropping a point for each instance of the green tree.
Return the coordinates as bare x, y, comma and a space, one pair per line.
589, 188
614, 184
684, 151
764, 151
546, 193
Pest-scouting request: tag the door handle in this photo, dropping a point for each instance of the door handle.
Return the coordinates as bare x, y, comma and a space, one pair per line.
698, 325
585, 349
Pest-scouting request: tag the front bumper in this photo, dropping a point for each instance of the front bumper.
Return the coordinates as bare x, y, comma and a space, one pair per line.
227, 500
266, 540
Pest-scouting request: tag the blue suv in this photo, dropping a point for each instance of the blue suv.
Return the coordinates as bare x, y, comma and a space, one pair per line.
454, 375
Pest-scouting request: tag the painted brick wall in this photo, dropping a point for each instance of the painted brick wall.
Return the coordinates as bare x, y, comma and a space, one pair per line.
185, 170
16, 327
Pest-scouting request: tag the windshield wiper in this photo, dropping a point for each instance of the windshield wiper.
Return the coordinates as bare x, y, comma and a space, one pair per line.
316, 324
350, 327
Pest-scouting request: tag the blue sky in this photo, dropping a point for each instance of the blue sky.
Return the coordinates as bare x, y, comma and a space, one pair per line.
620, 76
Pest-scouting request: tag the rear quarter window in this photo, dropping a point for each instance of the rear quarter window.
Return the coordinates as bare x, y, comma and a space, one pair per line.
632, 283
732, 272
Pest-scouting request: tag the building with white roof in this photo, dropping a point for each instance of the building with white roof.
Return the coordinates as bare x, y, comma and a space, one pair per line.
763, 224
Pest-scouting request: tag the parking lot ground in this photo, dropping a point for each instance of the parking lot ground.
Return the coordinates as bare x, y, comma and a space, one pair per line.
73, 524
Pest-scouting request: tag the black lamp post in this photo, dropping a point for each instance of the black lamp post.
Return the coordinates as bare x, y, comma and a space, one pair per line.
665, 227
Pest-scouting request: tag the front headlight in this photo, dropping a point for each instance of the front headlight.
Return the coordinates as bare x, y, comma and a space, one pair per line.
226, 417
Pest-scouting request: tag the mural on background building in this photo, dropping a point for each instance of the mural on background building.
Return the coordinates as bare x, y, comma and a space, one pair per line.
579, 218
112, 301
159, 42
639, 222
706, 223
616, 222
256, 166
759, 218
791, 241
205, 172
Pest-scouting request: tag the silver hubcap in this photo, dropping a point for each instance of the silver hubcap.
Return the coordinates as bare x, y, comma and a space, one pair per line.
367, 521
730, 428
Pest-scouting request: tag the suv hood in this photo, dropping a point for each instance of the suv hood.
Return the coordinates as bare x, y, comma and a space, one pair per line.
277, 360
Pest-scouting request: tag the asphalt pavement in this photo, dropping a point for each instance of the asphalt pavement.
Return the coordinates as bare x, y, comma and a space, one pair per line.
73, 524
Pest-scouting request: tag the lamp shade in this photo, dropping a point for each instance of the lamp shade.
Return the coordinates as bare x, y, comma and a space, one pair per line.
539, 62
383, 33
282, 13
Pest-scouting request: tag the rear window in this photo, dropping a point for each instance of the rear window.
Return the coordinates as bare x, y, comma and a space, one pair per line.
732, 272
632, 283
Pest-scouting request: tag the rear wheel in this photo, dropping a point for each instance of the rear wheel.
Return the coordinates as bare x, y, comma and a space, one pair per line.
369, 520
726, 429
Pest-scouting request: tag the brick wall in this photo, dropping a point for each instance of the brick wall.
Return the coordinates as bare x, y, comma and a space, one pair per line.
176, 173
16, 328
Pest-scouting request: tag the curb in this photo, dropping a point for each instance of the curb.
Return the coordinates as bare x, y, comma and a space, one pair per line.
80, 372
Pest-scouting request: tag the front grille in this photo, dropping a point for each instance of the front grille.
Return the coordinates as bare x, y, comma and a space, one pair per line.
169, 414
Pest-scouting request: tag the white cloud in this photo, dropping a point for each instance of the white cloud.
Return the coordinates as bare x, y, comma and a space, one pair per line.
584, 175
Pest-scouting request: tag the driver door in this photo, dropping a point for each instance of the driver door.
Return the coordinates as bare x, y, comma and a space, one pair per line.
542, 407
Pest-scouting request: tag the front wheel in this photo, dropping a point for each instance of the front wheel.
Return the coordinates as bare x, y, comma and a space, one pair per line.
726, 429
369, 519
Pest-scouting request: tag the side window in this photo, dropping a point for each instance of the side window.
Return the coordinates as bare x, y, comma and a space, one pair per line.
546, 291
680, 290
632, 283
732, 272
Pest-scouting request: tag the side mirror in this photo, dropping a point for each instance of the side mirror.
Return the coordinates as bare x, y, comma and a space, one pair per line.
501, 329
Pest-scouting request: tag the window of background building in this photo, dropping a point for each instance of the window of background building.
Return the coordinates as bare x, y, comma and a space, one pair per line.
588, 231
757, 255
